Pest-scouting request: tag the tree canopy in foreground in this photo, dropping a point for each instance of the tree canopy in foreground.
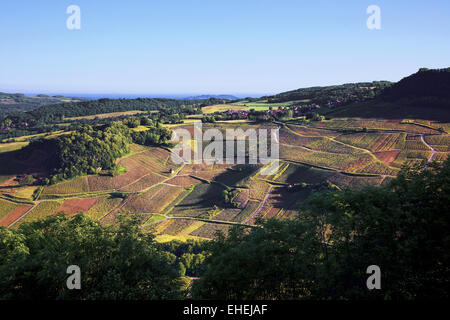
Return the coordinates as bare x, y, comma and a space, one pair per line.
116, 262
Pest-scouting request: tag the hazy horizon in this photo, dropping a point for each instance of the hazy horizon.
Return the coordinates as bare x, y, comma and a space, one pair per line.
98, 95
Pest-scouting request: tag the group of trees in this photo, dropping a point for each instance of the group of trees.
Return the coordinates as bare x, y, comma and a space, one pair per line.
228, 195
153, 136
116, 262
190, 256
92, 149
87, 150
155, 133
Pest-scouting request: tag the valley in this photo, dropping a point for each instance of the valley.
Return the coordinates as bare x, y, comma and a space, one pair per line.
185, 201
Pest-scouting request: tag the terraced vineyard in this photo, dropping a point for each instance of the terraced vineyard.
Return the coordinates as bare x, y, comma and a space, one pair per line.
187, 201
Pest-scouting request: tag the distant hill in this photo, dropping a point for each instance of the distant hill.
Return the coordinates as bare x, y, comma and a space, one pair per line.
424, 83
206, 96
344, 93
422, 95
47, 117
105, 105
13, 102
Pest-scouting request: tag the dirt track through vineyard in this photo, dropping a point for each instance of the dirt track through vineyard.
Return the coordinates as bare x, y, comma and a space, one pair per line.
260, 207
433, 152
23, 215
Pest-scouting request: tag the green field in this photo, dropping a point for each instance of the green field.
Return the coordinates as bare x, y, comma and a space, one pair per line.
262, 105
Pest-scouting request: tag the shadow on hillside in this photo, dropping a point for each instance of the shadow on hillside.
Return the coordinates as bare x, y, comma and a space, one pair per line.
237, 174
18, 163
391, 110
283, 198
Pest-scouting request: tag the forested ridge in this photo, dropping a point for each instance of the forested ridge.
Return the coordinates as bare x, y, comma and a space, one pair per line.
47, 118
16, 102
422, 95
92, 107
344, 93
424, 83
427, 89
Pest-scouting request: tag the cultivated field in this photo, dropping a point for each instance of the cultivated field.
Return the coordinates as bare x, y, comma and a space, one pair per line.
246, 105
188, 201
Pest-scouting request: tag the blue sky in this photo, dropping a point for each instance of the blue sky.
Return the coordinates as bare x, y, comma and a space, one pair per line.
212, 46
